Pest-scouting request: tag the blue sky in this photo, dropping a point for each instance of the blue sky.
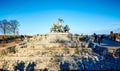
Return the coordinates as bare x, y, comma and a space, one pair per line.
83, 16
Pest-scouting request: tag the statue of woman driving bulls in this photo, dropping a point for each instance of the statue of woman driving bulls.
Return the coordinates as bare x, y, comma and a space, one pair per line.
57, 27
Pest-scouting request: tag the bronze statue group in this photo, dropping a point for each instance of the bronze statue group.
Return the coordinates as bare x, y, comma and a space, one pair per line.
57, 27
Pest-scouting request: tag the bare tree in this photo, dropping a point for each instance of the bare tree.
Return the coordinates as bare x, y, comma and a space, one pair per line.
14, 24
4, 27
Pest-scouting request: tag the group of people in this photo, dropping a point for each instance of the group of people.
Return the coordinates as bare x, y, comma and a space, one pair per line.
98, 38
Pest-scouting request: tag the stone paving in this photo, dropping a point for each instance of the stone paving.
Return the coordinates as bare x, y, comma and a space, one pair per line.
110, 43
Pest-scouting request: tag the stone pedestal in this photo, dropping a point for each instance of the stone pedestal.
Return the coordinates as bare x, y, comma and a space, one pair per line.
59, 37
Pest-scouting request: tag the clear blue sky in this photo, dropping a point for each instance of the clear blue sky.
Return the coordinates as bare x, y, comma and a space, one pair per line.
83, 16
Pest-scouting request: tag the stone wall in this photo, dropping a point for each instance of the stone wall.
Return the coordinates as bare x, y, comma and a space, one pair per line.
106, 51
41, 54
12, 49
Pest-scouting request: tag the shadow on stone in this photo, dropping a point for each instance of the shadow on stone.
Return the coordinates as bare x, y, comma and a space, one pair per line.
30, 66
20, 67
64, 66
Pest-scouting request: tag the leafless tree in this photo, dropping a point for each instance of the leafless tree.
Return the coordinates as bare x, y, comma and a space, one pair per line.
14, 24
4, 27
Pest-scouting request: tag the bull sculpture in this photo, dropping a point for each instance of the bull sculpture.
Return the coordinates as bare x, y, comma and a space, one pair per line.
57, 27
